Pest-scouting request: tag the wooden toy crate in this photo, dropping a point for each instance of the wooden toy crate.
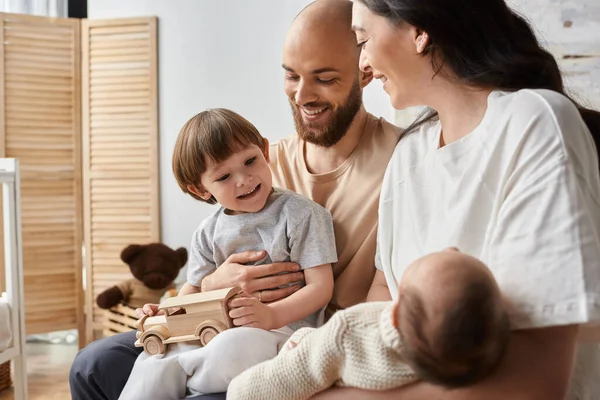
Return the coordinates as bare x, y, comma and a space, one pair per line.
118, 319
5, 382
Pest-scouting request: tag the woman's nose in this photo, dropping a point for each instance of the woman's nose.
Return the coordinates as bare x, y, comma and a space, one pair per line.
363, 63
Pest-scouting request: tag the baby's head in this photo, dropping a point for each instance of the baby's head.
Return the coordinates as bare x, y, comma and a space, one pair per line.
220, 157
452, 319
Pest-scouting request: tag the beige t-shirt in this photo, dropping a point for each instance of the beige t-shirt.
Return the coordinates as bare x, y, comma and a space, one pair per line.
351, 194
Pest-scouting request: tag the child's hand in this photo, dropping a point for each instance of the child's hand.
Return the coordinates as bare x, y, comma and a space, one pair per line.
148, 309
249, 311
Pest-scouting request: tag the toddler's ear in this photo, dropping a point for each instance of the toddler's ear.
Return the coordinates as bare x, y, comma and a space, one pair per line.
199, 191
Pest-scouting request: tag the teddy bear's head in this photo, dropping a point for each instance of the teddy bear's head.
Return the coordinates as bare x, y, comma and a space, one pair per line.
155, 264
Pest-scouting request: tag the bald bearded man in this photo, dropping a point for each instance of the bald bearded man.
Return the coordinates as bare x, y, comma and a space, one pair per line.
337, 158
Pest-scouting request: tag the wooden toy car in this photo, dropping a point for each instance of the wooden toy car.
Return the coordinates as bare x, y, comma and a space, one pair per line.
198, 316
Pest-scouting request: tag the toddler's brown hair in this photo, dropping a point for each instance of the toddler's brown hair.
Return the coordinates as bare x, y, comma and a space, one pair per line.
214, 135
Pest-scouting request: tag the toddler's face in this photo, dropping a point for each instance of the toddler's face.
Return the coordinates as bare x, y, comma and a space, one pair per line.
242, 183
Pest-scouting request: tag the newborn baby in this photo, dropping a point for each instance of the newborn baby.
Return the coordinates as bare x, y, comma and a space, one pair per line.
449, 327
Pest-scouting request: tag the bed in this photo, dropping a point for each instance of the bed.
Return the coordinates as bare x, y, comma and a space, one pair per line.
13, 347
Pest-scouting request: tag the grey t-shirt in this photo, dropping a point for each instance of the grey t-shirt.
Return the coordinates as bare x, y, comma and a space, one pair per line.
290, 227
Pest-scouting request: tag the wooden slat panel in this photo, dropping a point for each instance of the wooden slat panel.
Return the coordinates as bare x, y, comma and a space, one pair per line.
570, 30
120, 144
41, 126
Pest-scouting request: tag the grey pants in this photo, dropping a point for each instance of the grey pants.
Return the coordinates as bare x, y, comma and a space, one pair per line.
100, 370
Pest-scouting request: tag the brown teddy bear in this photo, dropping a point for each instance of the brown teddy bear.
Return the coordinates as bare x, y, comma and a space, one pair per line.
154, 267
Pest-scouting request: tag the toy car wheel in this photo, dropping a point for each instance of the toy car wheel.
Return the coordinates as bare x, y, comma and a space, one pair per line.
153, 345
208, 329
207, 335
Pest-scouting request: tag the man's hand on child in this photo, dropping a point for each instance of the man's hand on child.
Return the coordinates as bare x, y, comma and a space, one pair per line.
248, 311
258, 280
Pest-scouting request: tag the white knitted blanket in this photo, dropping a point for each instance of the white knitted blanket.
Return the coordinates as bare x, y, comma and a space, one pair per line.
358, 347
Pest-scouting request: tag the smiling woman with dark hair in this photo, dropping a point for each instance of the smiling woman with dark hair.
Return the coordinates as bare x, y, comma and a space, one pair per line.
503, 165
477, 45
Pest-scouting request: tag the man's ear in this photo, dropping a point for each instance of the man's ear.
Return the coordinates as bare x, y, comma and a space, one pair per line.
199, 191
266, 148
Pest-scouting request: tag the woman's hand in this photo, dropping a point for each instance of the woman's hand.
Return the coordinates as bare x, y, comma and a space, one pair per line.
251, 312
148, 309
259, 281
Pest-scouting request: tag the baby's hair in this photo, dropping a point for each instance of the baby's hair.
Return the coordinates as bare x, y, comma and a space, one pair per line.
468, 344
214, 135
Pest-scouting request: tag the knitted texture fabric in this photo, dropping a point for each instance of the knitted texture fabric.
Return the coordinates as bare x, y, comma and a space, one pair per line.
359, 347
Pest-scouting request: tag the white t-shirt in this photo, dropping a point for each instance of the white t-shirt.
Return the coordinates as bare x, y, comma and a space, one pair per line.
522, 193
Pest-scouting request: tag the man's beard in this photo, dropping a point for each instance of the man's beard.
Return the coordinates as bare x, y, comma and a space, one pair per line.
340, 121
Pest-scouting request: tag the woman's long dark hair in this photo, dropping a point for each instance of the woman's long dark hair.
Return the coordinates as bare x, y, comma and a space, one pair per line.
484, 44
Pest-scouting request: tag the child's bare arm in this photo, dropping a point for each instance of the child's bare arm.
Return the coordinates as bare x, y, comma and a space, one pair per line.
188, 288
249, 311
312, 297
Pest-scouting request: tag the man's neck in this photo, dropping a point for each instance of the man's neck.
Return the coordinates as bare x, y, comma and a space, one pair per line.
320, 160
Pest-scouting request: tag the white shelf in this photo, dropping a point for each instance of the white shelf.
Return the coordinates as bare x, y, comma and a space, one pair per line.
13, 263
8, 354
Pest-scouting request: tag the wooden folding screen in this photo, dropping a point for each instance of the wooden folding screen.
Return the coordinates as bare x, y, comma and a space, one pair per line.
121, 198
40, 125
78, 107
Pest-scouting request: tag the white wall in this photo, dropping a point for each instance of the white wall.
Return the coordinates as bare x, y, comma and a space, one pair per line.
224, 53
